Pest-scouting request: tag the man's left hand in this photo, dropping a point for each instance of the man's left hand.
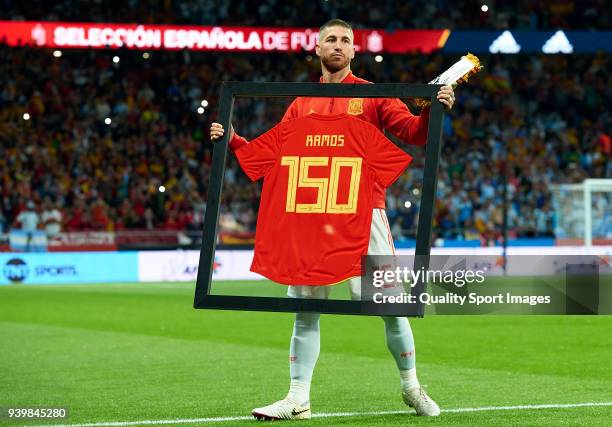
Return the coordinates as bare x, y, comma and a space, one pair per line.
446, 96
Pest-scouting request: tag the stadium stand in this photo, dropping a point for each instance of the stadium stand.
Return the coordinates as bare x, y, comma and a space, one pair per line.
107, 177
586, 14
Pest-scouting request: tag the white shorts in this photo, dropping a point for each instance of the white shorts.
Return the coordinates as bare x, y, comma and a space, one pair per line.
381, 243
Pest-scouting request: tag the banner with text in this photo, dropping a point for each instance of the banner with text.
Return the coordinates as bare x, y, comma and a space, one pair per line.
65, 268
281, 39
172, 37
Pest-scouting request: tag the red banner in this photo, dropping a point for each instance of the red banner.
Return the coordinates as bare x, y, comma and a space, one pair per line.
172, 37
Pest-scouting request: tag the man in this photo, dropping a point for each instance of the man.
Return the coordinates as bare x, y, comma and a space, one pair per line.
29, 222
51, 218
336, 50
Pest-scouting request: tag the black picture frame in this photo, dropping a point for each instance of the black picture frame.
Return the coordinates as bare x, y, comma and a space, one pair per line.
229, 91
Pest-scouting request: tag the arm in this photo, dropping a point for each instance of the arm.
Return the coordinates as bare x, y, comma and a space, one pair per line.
236, 141
397, 119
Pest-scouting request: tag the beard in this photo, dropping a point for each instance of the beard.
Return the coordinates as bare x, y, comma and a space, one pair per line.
334, 65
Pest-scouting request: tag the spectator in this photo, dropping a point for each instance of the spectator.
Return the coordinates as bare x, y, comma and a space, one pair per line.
546, 15
397, 231
99, 216
51, 218
29, 222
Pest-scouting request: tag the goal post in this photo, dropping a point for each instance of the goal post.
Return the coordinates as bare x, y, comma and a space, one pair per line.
583, 212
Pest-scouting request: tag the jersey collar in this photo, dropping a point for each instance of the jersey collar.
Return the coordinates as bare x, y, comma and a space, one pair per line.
350, 78
325, 117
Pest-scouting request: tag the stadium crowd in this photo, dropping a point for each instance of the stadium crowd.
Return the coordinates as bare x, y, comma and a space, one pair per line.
116, 146
548, 14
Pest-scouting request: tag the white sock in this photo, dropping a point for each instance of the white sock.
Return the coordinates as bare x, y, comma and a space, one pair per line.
409, 379
299, 391
400, 341
303, 355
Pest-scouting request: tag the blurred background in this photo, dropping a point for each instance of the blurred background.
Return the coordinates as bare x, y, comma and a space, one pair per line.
104, 141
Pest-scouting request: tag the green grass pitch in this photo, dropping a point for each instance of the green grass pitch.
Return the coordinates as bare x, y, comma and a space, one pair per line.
137, 352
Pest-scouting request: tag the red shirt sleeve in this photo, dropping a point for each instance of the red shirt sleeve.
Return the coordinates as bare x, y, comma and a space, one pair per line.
258, 156
291, 112
397, 119
384, 160
237, 141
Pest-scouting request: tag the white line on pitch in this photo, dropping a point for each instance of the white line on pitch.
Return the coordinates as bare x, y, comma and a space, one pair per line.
329, 415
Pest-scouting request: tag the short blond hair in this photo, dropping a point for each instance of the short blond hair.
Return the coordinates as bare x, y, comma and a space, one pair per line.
336, 23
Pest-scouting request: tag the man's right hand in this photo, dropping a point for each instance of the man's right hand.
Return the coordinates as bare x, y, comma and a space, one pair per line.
217, 131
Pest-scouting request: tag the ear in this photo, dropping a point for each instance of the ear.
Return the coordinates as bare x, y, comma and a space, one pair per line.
353, 52
318, 49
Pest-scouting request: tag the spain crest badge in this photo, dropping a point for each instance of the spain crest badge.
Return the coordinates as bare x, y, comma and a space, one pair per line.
355, 106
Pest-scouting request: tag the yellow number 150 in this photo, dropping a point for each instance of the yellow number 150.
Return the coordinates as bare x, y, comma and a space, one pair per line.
327, 188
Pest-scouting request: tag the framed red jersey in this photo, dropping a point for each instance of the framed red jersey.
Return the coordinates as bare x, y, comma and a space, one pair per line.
302, 189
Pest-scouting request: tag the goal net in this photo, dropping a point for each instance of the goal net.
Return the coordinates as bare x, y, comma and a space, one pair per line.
583, 212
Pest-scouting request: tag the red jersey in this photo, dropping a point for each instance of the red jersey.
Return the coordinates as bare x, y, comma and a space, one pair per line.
389, 114
315, 210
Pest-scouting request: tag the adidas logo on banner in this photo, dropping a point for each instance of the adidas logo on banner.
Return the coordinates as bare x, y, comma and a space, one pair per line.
505, 43
558, 43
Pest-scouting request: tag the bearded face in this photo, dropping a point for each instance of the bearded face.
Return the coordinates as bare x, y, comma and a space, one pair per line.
335, 62
335, 47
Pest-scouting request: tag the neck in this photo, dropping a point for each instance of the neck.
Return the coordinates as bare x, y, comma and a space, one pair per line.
337, 77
